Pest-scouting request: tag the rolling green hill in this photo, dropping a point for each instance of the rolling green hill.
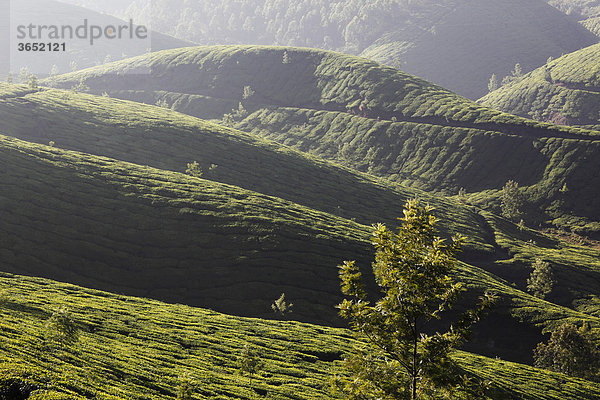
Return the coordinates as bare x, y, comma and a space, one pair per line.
147, 232
169, 140
374, 119
458, 44
566, 90
140, 349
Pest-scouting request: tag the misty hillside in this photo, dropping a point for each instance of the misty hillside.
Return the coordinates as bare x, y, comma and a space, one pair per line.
80, 54
587, 12
565, 91
458, 44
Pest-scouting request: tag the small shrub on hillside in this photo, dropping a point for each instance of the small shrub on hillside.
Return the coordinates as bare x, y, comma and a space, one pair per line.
61, 328
32, 82
162, 103
247, 93
81, 87
493, 83
193, 169
250, 362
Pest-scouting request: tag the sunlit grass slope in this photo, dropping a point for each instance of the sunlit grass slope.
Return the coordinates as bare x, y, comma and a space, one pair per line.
372, 118
141, 349
168, 140
126, 228
137, 230
566, 90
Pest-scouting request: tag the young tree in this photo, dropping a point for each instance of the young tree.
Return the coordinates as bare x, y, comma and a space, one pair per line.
193, 169
81, 87
493, 83
571, 351
512, 200
162, 103
32, 82
518, 71
281, 307
248, 92
541, 280
402, 358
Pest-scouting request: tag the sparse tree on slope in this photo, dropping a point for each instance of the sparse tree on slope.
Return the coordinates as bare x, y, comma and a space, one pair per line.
281, 307
493, 83
512, 200
571, 351
541, 280
401, 358
193, 169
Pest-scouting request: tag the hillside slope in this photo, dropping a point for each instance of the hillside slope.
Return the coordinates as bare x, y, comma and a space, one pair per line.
455, 43
137, 230
147, 232
168, 140
566, 91
141, 349
587, 12
371, 118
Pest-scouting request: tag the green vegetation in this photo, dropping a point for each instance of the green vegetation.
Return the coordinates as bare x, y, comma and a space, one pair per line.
212, 239
143, 349
411, 268
127, 228
584, 11
571, 351
281, 307
512, 201
112, 209
541, 280
564, 91
168, 140
376, 120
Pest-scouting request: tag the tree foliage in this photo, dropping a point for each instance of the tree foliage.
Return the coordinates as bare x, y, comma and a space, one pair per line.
571, 351
402, 359
512, 200
493, 83
281, 307
541, 280
193, 169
